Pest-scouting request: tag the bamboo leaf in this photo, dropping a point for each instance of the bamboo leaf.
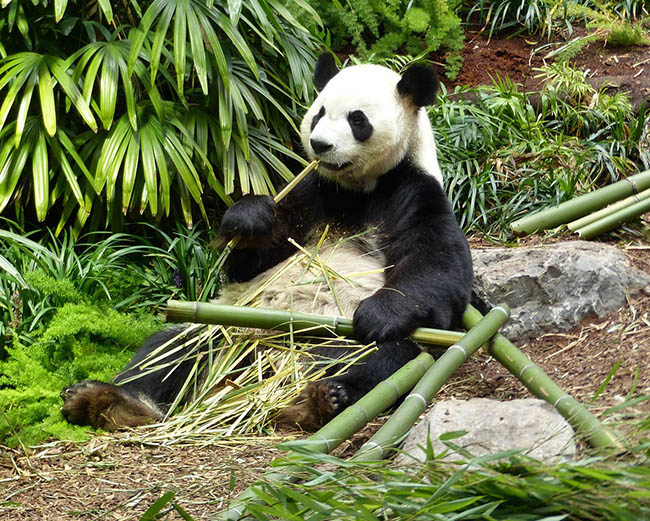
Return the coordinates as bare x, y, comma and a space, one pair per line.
23, 108
59, 9
40, 174
108, 90
130, 172
180, 41
60, 73
106, 9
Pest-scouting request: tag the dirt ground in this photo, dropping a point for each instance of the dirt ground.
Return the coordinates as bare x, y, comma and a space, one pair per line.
111, 478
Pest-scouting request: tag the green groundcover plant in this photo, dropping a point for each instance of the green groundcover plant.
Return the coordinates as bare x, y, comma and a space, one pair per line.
74, 310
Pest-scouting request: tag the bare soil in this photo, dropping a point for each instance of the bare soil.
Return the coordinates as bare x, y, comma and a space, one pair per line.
112, 478
617, 68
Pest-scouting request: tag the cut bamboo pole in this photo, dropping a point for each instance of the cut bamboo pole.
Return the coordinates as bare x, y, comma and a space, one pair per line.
350, 421
264, 318
401, 421
582, 205
541, 385
610, 222
612, 208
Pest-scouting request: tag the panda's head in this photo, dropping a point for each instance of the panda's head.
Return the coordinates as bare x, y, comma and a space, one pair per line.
367, 119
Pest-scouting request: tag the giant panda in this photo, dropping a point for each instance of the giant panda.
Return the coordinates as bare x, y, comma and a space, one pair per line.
378, 183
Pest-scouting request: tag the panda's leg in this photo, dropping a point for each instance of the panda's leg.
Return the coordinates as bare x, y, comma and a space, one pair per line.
320, 401
107, 406
138, 401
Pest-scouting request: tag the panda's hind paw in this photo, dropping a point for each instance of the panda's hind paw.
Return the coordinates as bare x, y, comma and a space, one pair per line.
317, 404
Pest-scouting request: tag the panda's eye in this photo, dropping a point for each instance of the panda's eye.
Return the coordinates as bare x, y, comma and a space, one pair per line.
357, 118
317, 117
360, 126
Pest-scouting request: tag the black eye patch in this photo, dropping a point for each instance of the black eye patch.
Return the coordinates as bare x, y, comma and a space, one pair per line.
317, 117
361, 127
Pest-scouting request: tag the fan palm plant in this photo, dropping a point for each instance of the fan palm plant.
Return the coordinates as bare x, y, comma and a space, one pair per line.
112, 109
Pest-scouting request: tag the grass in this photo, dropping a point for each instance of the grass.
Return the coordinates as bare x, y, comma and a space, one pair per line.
506, 152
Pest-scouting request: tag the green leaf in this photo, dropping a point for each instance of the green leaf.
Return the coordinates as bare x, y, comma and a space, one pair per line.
40, 173
59, 9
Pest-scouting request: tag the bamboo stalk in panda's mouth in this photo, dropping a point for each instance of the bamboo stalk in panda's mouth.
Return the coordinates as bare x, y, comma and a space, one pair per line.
307, 323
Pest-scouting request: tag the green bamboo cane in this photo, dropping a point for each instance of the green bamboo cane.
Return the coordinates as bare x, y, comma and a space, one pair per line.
541, 385
343, 426
612, 208
401, 421
582, 205
616, 219
264, 318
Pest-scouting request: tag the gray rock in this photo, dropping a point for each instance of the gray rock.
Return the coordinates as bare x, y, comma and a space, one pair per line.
530, 425
553, 286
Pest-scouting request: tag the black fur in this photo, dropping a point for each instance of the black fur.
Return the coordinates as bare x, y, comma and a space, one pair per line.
429, 283
420, 84
361, 127
324, 70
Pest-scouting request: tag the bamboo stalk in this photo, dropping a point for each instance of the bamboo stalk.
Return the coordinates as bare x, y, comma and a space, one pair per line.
232, 243
615, 219
541, 385
264, 318
581, 205
343, 426
401, 421
612, 208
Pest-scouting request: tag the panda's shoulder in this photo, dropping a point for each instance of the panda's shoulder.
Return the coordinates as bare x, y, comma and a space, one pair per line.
408, 179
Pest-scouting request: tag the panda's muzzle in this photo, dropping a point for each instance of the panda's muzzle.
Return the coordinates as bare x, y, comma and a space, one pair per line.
334, 166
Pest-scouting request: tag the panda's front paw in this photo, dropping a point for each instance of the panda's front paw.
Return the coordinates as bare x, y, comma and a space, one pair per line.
253, 216
386, 315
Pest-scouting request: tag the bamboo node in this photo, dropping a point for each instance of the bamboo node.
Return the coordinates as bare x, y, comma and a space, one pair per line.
369, 444
635, 187
504, 310
525, 368
326, 440
559, 400
365, 413
462, 349
418, 395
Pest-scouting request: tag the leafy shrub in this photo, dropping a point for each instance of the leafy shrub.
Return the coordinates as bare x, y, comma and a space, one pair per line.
503, 156
81, 341
392, 26
152, 108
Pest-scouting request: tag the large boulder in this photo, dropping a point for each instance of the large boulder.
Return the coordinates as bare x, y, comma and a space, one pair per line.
531, 426
552, 287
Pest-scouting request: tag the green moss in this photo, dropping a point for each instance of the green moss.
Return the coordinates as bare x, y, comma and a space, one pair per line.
82, 341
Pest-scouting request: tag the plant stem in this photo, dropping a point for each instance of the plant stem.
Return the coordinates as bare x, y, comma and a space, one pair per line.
581, 205
343, 426
612, 208
401, 421
541, 385
615, 219
307, 323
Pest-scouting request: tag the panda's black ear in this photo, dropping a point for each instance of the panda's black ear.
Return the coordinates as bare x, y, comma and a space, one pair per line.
325, 70
420, 83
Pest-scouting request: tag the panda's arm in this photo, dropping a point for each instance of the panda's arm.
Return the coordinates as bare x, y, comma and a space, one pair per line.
264, 227
429, 279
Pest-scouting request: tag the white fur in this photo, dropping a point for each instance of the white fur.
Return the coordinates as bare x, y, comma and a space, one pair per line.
289, 286
399, 130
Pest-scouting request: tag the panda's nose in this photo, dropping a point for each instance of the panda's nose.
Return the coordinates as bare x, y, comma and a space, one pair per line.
320, 146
